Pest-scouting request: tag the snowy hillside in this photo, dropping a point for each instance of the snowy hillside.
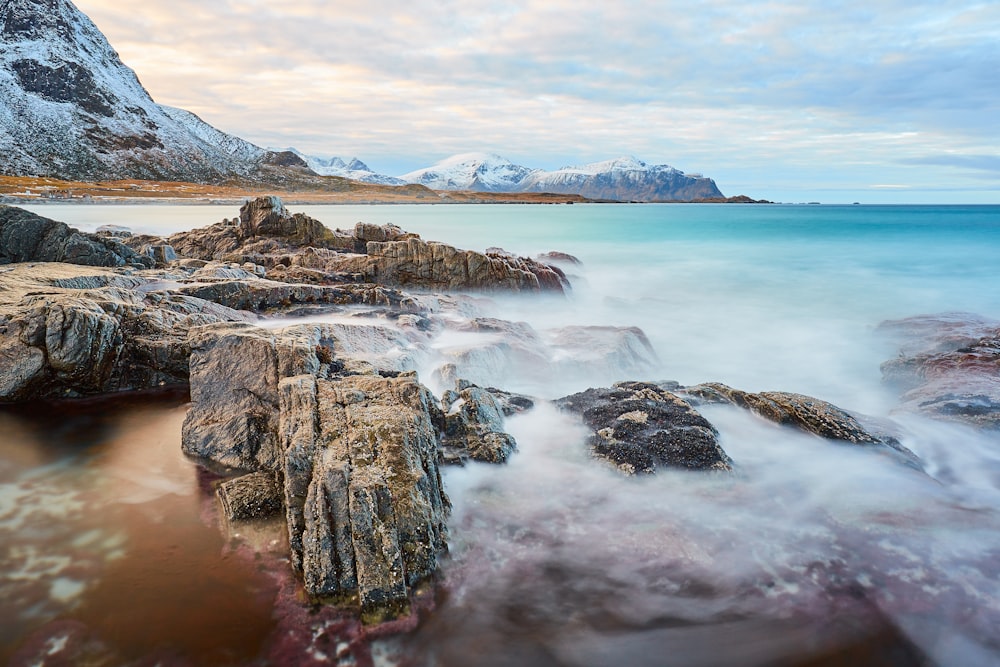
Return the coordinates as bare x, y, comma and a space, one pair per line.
483, 172
355, 169
621, 179
624, 179
70, 108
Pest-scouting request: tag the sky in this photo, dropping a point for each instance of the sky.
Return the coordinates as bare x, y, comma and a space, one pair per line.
877, 101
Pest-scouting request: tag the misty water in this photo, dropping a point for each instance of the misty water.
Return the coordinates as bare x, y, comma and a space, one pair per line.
811, 553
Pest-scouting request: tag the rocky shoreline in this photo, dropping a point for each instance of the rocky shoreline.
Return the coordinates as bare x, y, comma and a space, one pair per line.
329, 424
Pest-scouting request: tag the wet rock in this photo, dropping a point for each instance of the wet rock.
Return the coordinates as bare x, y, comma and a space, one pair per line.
808, 414
474, 425
412, 262
297, 248
68, 331
27, 237
948, 367
556, 257
357, 452
254, 496
640, 427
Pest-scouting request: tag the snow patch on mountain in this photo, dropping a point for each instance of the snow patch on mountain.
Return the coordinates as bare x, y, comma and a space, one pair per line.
619, 179
70, 108
485, 172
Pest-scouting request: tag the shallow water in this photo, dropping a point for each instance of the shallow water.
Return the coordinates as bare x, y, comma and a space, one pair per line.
811, 552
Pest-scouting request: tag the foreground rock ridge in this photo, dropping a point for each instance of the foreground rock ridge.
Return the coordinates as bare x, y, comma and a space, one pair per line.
324, 422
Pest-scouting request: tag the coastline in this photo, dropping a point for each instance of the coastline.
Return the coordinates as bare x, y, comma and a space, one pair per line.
18, 190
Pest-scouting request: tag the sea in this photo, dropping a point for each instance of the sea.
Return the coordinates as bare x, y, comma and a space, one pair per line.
811, 553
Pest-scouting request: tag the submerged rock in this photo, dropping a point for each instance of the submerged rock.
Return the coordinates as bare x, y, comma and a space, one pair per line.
808, 414
27, 237
948, 367
640, 427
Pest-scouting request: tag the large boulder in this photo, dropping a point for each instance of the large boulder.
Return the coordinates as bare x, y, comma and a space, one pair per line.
27, 237
640, 427
357, 452
948, 367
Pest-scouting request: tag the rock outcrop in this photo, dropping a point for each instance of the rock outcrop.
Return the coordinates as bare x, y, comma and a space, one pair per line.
640, 427
301, 249
27, 237
808, 414
357, 452
948, 367
474, 420
68, 331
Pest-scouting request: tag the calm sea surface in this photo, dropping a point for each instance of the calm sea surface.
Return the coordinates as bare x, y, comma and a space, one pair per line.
109, 536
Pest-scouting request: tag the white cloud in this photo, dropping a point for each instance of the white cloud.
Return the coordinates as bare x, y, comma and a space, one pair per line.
753, 92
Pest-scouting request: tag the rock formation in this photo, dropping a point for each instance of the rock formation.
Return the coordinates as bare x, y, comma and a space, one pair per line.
300, 249
948, 367
27, 237
357, 454
474, 425
640, 427
69, 331
808, 414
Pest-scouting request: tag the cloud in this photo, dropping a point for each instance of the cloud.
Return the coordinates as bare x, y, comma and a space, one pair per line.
704, 86
987, 163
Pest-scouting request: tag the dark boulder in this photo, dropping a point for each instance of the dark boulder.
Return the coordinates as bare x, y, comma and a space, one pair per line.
640, 427
27, 237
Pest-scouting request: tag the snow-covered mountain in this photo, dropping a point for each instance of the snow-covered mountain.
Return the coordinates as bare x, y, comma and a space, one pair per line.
483, 172
621, 179
624, 179
70, 108
354, 169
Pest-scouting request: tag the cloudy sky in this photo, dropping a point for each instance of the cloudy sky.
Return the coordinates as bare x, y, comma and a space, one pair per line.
873, 101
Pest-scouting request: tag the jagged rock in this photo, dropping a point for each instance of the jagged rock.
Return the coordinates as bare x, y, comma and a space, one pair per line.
640, 427
416, 263
358, 453
948, 367
68, 331
808, 414
474, 425
296, 247
26, 237
254, 496
251, 293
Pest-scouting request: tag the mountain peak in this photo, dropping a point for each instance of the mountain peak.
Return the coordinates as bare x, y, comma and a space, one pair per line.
623, 178
70, 108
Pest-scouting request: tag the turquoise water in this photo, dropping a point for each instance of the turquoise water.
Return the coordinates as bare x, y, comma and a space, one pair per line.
811, 551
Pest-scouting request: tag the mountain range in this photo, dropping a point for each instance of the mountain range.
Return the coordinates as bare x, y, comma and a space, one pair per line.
71, 109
